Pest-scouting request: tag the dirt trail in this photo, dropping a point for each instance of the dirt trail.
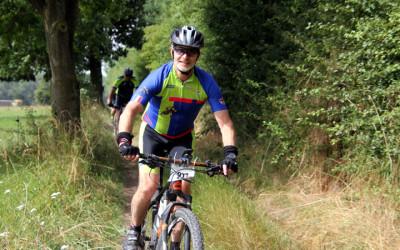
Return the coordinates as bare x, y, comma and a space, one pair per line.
130, 186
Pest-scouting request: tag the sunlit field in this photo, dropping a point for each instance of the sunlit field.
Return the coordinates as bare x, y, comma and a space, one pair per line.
57, 192
15, 121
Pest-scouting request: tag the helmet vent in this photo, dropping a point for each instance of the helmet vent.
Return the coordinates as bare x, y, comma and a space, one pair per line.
187, 36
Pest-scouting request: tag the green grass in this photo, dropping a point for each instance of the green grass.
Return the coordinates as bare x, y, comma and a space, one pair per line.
57, 192
230, 220
229, 217
11, 129
42, 210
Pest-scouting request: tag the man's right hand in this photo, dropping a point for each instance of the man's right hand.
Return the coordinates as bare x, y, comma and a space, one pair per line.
129, 152
124, 140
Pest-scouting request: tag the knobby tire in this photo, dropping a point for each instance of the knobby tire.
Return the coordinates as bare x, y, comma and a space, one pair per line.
192, 237
116, 123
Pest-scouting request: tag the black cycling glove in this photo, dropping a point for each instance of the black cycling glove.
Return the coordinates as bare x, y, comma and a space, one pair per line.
124, 137
230, 153
124, 141
127, 149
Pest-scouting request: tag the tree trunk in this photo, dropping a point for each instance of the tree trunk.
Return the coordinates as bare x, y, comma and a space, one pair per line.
96, 78
60, 19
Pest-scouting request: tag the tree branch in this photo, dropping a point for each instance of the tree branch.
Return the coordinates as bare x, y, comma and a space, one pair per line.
39, 5
15, 18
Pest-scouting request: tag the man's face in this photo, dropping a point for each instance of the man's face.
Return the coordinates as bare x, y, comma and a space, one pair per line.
185, 57
127, 77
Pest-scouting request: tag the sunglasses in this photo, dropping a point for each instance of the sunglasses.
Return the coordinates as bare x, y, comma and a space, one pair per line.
192, 52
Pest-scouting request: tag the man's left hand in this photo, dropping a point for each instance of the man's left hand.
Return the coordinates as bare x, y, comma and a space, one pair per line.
229, 164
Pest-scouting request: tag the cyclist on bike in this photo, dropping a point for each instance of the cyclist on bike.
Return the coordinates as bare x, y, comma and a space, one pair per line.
173, 96
122, 91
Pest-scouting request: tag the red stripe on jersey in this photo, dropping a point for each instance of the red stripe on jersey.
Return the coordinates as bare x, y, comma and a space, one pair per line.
138, 98
146, 119
177, 99
200, 102
177, 136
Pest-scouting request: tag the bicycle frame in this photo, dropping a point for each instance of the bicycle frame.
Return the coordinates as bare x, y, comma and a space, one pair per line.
170, 193
165, 200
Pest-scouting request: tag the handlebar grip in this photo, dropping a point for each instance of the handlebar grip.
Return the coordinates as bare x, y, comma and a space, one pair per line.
170, 160
150, 156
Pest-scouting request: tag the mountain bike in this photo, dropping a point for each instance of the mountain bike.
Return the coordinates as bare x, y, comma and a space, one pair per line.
117, 116
169, 216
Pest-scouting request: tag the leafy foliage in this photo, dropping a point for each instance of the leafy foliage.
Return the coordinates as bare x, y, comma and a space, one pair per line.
346, 83
314, 77
106, 28
22, 42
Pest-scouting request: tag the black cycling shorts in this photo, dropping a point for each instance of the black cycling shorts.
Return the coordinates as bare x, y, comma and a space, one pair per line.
151, 142
120, 101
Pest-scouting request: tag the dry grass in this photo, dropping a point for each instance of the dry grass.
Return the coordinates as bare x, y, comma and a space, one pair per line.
334, 219
313, 209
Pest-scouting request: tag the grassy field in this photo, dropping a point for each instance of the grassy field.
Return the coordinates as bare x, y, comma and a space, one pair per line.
10, 128
57, 192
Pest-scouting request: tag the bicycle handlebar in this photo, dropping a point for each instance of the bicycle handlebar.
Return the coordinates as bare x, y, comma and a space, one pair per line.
212, 170
173, 160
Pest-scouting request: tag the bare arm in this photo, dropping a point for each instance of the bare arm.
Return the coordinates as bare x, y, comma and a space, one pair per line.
226, 126
228, 133
126, 123
110, 97
131, 110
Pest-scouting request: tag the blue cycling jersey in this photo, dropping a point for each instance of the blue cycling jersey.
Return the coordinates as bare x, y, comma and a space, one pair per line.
173, 105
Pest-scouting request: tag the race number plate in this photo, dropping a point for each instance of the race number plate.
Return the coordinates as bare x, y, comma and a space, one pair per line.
179, 173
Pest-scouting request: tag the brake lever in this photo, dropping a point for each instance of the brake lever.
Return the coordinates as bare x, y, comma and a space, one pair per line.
149, 162
213, 170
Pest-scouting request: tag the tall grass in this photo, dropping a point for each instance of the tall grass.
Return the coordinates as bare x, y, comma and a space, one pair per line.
62, 193
16, 122
229, 217
316, 209
230, 220
300, 205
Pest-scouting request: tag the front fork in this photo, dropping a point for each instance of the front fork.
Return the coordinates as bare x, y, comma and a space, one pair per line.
163, 228
172, 194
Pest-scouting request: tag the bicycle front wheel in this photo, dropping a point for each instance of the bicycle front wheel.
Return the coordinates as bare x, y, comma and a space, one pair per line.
183, 229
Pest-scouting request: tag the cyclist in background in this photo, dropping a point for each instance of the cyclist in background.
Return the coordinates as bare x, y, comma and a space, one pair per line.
122, 91
173, 96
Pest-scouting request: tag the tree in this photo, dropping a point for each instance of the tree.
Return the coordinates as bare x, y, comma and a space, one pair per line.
59, 19
105, 30
23, 51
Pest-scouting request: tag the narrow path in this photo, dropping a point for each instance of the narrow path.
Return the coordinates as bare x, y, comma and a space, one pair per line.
130, 186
